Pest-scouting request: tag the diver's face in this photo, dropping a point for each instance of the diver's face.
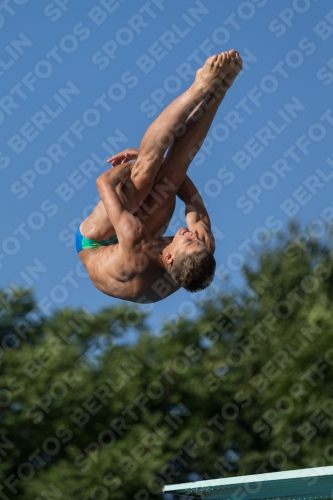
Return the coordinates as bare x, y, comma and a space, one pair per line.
186, 241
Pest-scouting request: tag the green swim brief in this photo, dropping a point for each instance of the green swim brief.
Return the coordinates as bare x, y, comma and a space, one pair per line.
82, 242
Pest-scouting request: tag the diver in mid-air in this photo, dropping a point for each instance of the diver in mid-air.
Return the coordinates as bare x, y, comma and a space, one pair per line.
121, 243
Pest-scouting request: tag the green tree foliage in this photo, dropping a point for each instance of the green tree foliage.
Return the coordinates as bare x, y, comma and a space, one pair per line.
245, 387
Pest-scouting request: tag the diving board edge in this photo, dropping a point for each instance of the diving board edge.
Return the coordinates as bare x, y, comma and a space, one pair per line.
319, 484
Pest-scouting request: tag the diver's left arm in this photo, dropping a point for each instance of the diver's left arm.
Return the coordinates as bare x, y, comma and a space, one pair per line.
197, 218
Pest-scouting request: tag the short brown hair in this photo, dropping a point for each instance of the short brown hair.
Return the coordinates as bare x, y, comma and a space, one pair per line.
193, 272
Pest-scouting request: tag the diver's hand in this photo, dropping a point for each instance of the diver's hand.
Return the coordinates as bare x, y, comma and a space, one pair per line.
124, 156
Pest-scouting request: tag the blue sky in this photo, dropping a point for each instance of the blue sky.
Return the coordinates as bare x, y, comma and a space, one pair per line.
82, 80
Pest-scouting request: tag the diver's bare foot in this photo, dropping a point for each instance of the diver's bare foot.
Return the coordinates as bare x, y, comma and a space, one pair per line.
215, 69
235, 66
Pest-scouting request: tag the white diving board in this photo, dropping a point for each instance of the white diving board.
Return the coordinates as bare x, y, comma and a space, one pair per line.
302, 484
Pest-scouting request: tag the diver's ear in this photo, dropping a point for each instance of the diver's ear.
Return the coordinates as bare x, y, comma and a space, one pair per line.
169, 258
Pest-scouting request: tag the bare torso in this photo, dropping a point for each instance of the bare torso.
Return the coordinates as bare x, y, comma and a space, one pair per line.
141, 280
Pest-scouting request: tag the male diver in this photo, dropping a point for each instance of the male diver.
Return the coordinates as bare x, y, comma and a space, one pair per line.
121, 243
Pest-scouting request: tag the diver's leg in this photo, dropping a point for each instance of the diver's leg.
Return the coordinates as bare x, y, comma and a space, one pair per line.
170, 124
158, 138
158, 208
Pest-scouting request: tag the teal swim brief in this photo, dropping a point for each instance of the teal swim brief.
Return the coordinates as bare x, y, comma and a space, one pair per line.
82, 242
